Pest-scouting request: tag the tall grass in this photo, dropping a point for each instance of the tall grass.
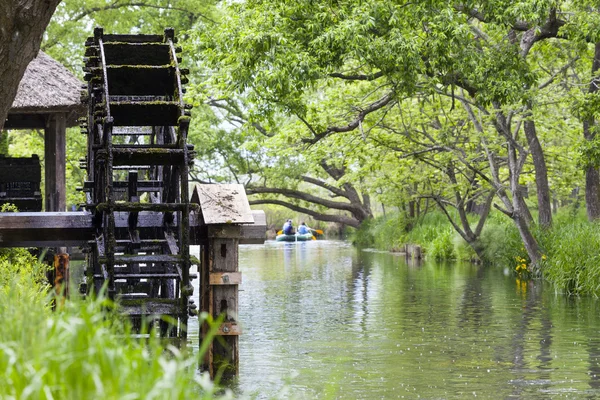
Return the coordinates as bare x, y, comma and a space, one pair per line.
81, 351
434, 233
571, 257
389, 233
571, 248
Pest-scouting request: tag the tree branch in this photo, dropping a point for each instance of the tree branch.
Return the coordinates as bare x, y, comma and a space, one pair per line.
342, 219
560, 71
360, 77
324, 185
385, 100
296, 194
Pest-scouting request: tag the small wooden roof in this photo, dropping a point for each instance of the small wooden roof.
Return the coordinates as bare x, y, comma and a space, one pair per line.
46, 88
223, 204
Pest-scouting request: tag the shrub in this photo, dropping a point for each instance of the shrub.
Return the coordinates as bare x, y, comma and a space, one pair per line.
363, 236
442, 245
389, 232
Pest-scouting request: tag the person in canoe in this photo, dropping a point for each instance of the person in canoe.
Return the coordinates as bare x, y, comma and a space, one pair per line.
303, 229
288, 228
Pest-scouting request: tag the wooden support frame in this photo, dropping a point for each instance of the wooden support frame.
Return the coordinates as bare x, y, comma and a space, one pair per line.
219, 280
55, 148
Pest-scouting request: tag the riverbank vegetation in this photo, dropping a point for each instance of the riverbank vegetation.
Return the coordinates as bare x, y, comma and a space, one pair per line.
82, 350
570, 249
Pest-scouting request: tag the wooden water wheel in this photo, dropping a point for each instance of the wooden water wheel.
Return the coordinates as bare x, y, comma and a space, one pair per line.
137, 171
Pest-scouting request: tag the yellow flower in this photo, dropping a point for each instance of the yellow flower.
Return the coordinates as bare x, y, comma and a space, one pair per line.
544, 257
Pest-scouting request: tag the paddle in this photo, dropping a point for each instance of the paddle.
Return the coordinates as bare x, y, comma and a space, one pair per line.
317, 231
279, 232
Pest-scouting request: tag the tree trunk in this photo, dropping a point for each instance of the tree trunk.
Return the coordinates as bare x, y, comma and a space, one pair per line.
592, 177
22, 25
592, 192
411, 209
479, 250
541, 175
520, 211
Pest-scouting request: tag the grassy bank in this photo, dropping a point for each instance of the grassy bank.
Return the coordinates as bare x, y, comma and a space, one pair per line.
80, 351
571, 248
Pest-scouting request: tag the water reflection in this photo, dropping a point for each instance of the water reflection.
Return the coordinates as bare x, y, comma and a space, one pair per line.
321, 317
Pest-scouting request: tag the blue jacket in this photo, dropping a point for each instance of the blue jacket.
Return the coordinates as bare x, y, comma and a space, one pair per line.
288, 229
302, 229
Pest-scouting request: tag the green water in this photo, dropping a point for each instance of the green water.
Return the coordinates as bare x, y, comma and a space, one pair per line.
324, 320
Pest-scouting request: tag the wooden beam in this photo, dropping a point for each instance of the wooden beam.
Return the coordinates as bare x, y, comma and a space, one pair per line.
26, 121
43, 229
51, 229
55, 198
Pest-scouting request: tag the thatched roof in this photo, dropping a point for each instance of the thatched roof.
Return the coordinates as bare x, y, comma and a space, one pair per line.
47, 87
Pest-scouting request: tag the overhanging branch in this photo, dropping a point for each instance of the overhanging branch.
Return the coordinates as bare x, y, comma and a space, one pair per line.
296, 194
382, 102
342, 219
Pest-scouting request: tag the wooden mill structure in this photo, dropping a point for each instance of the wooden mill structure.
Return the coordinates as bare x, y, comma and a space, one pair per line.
139, 219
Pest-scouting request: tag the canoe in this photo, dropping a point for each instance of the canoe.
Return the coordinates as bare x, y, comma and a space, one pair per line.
294, 238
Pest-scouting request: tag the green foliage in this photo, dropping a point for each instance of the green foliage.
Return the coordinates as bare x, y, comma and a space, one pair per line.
463, 251
363, 237
572, 261
19, 267
74, 20
319, 68
389, 232
82, 350
442, 247
435, 235
432, 232
571, 254
589, 153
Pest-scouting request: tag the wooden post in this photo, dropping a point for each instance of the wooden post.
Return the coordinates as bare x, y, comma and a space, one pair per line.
55, 163
219, 280
61, 279
61, 274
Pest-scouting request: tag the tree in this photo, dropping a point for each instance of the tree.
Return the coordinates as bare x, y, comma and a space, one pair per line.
592, 176
315, 184
340, 68
22, 25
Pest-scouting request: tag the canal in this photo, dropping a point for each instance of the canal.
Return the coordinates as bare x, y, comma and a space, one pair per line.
322, 319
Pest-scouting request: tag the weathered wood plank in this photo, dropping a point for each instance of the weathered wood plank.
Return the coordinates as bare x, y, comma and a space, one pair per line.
229, 329
48, 229
224, 204
225, 278
221, 258
148, 307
